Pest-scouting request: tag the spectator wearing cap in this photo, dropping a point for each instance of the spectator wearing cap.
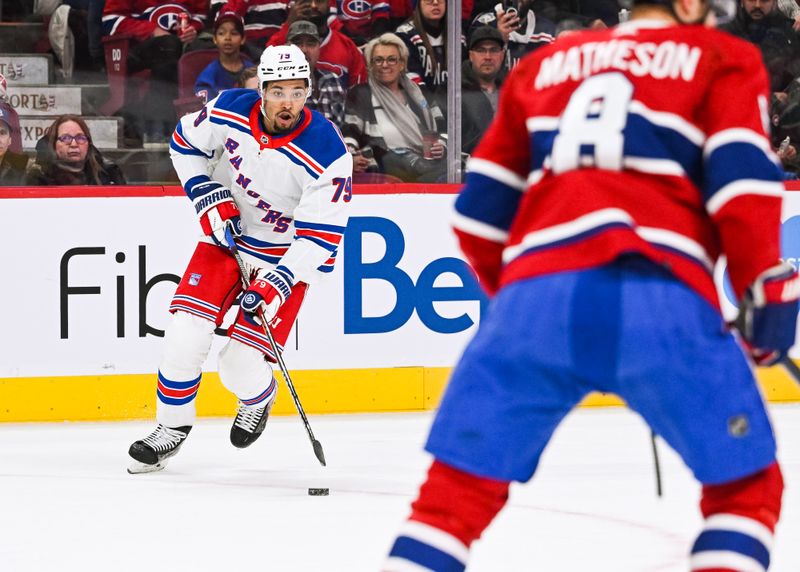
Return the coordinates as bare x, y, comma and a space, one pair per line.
10, 117
223, 73
481, 76
328, 90
66, 156
523, 29
337, 53
12, 165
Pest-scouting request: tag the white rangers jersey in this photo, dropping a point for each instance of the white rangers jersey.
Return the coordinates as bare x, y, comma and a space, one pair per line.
292, 190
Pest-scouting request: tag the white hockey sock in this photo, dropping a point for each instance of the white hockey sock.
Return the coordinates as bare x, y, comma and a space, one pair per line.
186, 344
244, 372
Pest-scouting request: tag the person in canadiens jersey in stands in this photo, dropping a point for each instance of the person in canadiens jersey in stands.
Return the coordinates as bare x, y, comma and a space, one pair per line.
621, 165
290, 176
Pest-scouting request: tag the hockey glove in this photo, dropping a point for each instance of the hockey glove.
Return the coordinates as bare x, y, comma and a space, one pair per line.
267, 292
768, 314
217, 210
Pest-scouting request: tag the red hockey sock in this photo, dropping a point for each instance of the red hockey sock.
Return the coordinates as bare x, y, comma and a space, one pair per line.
457, 502
740, 521
757, 496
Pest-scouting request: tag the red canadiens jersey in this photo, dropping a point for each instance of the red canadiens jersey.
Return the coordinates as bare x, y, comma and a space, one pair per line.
140, 17
262, 18
643, 138
338, 54
358, 16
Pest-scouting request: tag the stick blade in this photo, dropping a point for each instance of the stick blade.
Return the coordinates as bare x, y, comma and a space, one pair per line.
319, 452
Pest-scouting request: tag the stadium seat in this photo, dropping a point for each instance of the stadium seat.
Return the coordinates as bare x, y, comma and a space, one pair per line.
116, 55
189, 67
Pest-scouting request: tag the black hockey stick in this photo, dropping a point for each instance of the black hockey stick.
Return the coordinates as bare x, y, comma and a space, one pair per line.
656, 463
791, 368
245, 277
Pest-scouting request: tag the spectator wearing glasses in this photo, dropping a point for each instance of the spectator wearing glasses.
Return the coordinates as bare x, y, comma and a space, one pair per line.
391, 124
481, 77
66, 156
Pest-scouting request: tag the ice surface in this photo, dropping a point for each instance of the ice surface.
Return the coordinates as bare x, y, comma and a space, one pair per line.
67, 504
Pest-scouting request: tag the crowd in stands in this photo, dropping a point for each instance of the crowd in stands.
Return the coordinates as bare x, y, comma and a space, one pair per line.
379, 72
64, 156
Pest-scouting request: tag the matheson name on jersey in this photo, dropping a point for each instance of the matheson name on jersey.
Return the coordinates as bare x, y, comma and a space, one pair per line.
659, 60
658, 136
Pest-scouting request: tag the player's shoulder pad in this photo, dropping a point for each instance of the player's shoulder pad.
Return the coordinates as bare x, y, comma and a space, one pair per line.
728, 47
321, 140
238, 100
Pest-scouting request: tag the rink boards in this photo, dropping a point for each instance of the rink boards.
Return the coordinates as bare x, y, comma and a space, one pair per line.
89, 273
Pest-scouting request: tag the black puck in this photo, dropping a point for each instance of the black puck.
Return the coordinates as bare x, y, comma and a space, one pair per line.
319, 492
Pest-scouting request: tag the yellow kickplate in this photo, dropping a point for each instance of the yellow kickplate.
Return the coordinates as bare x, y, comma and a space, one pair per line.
94, 398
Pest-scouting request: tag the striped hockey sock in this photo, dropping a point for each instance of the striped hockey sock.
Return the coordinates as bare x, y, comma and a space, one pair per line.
452, 510
420, 546
740, 523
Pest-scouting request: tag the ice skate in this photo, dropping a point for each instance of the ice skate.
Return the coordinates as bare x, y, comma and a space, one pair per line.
151, 453
249, 423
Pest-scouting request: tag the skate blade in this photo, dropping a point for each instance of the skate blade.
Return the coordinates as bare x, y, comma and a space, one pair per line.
138, 468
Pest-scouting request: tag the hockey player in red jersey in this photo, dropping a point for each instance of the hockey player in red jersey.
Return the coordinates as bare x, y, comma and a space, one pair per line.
621, 164
141, 18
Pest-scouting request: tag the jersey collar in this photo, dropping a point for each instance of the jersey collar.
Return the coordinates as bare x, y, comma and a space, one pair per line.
633, 26
269, 141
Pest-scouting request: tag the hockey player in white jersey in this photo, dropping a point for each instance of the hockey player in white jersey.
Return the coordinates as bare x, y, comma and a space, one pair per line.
290, 176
